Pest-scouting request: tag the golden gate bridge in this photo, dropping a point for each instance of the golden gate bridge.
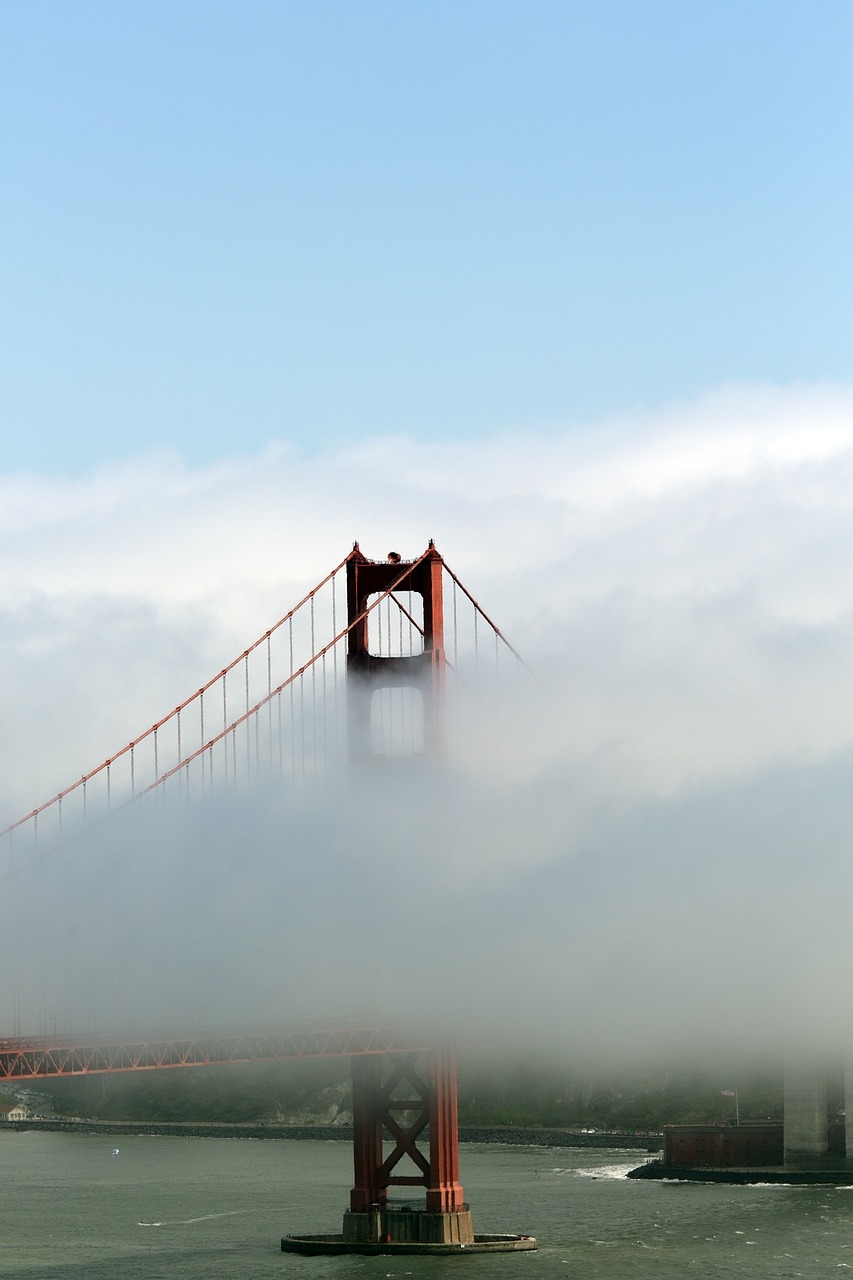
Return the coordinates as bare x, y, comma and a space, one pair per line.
382, 663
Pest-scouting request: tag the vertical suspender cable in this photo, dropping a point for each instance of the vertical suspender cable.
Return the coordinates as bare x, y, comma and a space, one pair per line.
313, 689
269, 699
292, 709
183, 776
323, 709
201, 733
335, 661
225, 723
248, 727
302, 720
257, 720
280, 743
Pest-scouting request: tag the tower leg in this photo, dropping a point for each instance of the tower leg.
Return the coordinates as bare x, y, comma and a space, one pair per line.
815, 1135
444, 1191
366, 1132
848, 1118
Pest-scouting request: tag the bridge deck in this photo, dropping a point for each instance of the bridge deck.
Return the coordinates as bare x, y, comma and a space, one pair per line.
39, 1058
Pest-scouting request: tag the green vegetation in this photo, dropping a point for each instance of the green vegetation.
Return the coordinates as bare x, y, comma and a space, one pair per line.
492, 1092
298, 1092
533, 1095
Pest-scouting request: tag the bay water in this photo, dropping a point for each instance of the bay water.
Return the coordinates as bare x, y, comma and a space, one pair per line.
215, 1209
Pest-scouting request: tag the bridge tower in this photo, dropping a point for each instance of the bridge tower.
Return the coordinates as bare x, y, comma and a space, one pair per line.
405, 1128
399, 1098
410, 662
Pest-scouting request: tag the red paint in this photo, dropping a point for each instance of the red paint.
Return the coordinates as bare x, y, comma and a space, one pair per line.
367, 672
398, 1100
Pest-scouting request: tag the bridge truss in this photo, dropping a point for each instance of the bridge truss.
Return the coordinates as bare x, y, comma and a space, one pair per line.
45, 1057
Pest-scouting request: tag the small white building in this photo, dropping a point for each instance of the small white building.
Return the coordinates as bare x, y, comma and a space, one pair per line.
16, 1112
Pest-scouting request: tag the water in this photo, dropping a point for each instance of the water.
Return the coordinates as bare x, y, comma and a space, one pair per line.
211, 1209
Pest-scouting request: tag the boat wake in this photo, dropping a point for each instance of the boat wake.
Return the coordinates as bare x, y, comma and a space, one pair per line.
185, 1222
612, 1171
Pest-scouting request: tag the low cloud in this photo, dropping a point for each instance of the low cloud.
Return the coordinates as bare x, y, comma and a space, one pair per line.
647, 842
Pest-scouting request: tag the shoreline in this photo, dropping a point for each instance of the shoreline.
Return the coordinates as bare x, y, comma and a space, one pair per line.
503, 1135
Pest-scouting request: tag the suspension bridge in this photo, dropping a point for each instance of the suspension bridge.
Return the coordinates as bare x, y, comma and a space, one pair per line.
380, 666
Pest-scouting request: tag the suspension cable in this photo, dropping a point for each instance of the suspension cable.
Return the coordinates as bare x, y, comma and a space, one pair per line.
130, 746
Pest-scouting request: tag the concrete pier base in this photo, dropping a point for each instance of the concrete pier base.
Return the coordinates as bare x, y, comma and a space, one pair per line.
314, 1246
407, 1231
409, 1226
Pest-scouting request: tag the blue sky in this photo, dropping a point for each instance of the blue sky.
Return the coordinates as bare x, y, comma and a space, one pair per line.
227, 224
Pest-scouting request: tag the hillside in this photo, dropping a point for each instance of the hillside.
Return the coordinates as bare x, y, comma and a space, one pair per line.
490, 1093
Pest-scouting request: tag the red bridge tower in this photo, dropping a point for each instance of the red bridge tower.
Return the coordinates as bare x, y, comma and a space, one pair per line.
400, 1098
405, 1129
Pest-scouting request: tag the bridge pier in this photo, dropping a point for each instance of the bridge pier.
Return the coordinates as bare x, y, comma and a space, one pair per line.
406, 1104
818, 1127
402, 1101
